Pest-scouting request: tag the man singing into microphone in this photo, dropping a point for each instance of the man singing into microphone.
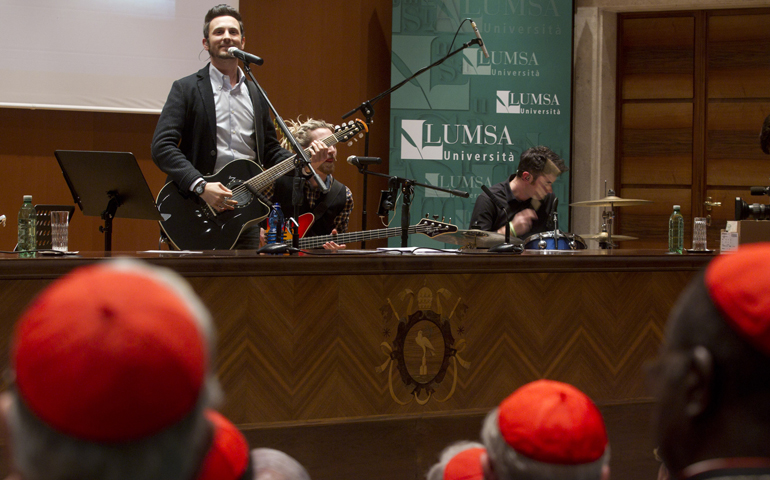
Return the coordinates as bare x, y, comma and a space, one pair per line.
528, 195
331, 210
215, 116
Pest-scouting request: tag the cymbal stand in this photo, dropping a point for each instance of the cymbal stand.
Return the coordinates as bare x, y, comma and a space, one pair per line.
555, 219
607, 220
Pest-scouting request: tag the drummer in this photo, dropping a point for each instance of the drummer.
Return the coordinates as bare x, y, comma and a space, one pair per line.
528, 194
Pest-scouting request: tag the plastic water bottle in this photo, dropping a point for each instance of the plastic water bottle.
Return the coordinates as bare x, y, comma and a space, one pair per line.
275, 223
27, 239
676, 231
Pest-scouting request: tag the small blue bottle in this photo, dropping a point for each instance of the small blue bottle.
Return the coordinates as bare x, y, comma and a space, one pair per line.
275, 224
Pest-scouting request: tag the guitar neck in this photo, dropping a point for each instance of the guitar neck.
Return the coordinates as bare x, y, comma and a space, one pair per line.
266, 178
342, 238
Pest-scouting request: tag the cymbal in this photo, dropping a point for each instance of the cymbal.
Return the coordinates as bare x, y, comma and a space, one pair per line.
603, 237
611, 201
475, 238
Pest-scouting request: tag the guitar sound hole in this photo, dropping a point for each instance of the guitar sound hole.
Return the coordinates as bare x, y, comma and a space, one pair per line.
241, 194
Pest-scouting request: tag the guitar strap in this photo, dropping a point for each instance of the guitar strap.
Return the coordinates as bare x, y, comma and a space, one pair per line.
322, 206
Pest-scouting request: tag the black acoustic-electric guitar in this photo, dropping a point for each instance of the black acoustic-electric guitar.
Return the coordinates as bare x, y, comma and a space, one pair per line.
190, 223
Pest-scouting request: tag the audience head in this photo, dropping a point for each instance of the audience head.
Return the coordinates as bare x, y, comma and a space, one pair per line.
269, 464
112, 375
228, 455
459, 461
712, 378
546, 430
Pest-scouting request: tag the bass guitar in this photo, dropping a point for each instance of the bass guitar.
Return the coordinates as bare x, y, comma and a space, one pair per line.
425, 226
190, 223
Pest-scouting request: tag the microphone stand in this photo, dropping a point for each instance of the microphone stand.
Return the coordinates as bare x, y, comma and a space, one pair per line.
407, 190
367, 110
555, 221
300, 161
507, 246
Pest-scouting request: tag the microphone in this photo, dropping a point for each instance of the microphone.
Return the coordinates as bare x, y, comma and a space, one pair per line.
246, 57
478, 35
498, 203
277, 248
363, 161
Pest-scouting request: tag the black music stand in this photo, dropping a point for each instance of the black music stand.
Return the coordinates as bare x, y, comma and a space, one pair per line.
107, 185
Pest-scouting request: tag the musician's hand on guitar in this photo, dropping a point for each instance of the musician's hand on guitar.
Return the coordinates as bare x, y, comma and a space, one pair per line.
218, 196
262, 237
333, 245
320, 152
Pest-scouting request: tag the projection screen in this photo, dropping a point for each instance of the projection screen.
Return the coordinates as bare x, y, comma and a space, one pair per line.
98, 55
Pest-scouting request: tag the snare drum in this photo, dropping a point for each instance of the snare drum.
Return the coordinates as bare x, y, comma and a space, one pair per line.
546, 241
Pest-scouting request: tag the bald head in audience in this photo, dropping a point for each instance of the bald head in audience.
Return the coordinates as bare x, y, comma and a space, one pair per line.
459, 461
545, 430
269, 464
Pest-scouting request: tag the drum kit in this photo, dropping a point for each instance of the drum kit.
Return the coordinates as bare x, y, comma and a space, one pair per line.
605, 237
556, 239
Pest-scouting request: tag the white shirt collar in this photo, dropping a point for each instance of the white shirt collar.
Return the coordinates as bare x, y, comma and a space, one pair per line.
220, 81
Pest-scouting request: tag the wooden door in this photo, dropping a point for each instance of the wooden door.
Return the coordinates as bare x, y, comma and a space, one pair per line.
693, 90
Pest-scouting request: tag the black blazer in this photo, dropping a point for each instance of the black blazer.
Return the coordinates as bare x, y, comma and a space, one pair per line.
184, 145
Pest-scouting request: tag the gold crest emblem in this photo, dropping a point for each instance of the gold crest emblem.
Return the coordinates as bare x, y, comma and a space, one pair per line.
424, 347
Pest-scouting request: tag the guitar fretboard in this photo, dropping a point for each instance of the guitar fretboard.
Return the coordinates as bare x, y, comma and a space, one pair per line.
319, 241
265, 179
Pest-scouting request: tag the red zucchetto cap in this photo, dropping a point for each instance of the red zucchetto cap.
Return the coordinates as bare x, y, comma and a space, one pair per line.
109, 355
228, 456
739, 285
466, 465
553, 422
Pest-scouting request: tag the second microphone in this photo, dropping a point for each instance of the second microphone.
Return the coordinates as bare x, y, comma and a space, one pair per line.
363, 161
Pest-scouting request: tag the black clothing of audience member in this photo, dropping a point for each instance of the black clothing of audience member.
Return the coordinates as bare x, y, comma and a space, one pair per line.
712, 378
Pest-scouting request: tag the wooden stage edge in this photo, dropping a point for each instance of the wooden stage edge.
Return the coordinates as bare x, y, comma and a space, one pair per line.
362, 262
365, 365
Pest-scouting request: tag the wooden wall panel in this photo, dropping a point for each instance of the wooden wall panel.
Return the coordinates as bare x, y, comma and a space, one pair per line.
657, 143
649, 223
738, 56
323, 59
30, 138
407, 447
721, 156
733, 156
311, 358
656, 58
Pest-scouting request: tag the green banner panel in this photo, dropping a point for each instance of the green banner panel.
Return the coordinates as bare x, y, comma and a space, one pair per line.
465, 122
